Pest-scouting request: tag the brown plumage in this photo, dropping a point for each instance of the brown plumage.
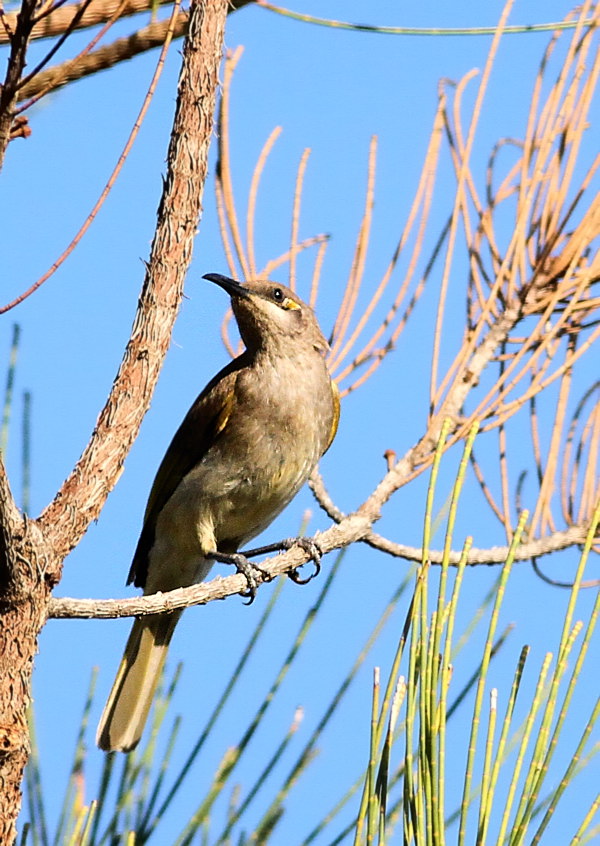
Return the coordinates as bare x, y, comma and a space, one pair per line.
244, 449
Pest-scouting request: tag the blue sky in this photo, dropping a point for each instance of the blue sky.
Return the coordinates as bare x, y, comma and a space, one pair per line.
330, 90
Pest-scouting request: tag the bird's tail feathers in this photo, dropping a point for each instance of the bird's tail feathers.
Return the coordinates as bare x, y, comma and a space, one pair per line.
126, 710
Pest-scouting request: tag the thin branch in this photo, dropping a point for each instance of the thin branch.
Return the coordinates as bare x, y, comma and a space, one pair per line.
111, 180
252, 197
86, 51
14, 71
420, 455
349, 531
491, 556
99, 11
348, 304
485, 488
513, 29
120, 50
394, 322
588, 583
463, 171
295, 244
486, 556
224, 163
53, 50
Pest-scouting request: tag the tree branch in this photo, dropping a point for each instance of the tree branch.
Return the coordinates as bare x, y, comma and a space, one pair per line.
419, 455
120, 50
491, 556
84, 492
353, 529
59, 21
14, 71
350, 530
98, 12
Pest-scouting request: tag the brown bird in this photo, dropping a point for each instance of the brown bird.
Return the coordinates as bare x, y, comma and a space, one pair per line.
243, 451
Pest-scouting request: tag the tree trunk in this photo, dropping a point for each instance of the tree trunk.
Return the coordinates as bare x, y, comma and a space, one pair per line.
31, 552
27, 574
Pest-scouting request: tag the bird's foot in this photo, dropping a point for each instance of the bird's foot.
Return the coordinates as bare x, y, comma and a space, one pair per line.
253, 574
309, 545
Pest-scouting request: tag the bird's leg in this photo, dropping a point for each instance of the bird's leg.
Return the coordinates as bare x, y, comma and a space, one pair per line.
245, 567
309, 545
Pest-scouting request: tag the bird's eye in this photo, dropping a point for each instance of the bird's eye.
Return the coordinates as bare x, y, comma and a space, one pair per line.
286, 303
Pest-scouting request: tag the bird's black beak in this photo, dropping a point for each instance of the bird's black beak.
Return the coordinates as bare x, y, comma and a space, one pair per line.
233, 288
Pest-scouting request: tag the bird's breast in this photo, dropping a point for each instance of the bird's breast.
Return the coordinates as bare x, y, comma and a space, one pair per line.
278, 429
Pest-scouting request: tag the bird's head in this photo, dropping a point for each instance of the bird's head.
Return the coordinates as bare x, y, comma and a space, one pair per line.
270, 315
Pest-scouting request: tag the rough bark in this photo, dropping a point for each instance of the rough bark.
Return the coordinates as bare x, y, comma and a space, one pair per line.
31, 552
24, 593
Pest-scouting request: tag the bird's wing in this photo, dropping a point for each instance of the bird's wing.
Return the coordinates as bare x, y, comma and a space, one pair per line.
204, 421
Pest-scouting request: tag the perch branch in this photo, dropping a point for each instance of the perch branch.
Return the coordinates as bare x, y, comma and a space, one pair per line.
352, 528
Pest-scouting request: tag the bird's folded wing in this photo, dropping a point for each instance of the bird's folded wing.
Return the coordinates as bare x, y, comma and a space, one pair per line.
203, 423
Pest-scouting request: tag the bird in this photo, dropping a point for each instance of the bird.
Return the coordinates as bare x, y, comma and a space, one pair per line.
245, 448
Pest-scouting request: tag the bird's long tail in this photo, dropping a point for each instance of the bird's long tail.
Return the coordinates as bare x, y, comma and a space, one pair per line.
124, 716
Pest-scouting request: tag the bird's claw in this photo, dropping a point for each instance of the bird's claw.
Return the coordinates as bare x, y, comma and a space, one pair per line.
310, 546
253, 574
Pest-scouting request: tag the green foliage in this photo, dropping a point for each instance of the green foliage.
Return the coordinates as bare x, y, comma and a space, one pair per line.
492, 810
415, 734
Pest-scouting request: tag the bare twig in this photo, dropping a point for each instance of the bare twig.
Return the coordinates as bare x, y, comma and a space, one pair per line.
54, 82
14, 71
587, 583
98, 12
489, 556
111, 180
54, 49
105, 57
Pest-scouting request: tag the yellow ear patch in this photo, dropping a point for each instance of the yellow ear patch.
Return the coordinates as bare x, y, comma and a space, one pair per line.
290, 304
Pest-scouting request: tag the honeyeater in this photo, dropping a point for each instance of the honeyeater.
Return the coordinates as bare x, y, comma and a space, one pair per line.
244, 449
